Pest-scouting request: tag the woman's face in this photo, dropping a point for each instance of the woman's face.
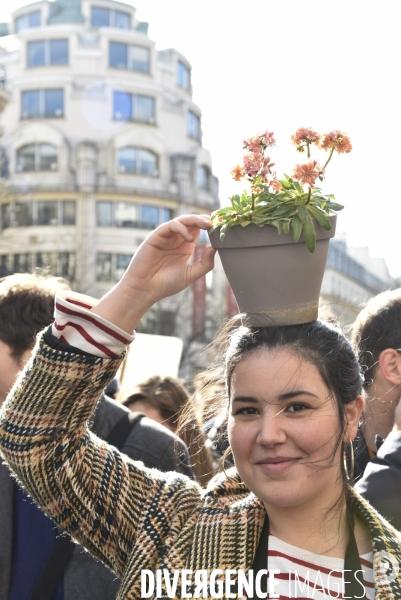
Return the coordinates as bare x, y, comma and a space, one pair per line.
283, 429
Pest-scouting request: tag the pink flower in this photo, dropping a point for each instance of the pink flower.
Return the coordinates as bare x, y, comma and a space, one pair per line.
304, 136
237, 173
275, 184
253, 144
267, 139
308, 173
253, 162
257, 190
337, 140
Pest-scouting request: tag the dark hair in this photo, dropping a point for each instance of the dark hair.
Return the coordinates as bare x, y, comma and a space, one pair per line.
169, 396
26, 307
320, 343
376, 328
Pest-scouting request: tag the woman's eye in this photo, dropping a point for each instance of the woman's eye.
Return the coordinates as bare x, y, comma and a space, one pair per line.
296, 407
247, 410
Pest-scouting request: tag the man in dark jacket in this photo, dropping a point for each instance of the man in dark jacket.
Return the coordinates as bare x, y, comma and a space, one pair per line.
376, 336
27, 536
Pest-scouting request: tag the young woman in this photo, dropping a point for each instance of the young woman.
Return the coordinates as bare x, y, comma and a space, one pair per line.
294, 402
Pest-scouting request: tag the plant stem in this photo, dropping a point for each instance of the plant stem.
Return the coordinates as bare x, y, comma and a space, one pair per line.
252, 205
309, 195
329, 159
308, 148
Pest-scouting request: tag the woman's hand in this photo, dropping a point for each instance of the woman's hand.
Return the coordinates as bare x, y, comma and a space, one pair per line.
161, 267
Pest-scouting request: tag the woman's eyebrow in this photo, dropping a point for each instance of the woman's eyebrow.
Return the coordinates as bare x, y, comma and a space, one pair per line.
249, 399
294, 394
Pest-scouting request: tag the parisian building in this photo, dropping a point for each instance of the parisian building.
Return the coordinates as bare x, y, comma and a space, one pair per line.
101, 143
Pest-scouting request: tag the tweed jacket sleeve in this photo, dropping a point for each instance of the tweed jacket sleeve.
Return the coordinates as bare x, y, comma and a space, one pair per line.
106, 501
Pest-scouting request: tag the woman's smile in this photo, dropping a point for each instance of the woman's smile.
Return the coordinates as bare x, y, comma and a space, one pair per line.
278, 464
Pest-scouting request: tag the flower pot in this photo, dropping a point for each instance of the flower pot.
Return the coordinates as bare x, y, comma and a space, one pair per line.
275, 280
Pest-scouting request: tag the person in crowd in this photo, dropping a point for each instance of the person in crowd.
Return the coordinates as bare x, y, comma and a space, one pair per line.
295, 401
376, 336
163, 399
33, 563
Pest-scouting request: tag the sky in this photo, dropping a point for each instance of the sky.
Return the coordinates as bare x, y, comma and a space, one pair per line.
283, 64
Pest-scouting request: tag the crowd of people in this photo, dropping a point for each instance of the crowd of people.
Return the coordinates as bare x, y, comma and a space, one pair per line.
310, 421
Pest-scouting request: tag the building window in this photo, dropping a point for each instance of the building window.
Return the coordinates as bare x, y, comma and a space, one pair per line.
158, 322
36, 157
48, 52
130, 214
22, 263
23, 214
203, 177
104, 17
103, 266
133, 58
193, 125
47, 213
122, 262
42, 103
42, 212
183, 75
5, 216
138, 161
133, 107
32, 19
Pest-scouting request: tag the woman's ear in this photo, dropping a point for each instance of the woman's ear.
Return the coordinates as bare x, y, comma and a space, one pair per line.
353, 412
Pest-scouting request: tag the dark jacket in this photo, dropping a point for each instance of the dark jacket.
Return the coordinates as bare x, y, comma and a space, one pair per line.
85, 578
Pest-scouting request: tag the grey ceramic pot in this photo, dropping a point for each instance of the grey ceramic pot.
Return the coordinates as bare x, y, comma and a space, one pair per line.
275, 280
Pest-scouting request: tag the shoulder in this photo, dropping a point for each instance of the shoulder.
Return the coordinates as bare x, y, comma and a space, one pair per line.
385, 538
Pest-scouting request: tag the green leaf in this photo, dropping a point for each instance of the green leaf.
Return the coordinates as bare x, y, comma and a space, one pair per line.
309, 233
320, 217
286, 226
296, 227
298, 187
302, 213
277, 225
286, 184
334, 206
212, 229
245, 223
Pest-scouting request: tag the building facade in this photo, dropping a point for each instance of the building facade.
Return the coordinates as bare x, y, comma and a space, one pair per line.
101, 143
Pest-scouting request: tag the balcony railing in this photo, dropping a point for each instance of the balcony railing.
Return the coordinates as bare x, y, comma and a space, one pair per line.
339, 259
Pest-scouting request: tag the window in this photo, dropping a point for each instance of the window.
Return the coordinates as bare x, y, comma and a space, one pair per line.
47, 213
5, 215
133, 58
23, 214
203, 177
130, 214
66, 267
138, 161
32, 19
103, 17
183, 75
48, 261
48, 52
122, 262
133, 107
36, 157
193, 125
22, 263
103, 266
42, 103
158, 322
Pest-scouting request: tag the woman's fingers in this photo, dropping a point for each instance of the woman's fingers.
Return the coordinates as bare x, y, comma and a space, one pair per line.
181, 226
203, 265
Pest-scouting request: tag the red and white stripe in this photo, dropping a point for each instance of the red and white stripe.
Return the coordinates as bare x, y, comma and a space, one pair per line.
302, 574
76, 325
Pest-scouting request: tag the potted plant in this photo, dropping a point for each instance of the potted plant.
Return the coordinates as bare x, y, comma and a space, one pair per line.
275, 275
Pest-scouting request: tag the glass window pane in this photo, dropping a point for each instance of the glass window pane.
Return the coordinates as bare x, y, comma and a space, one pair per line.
47, 261
103, 267
144, 109
47, 213
59, 52
68, 212
118, 57
23, 214
122, 20
104, 214
26, 158
127, 160
36, 54
100, 17
21, 23
67, 265
123, 260
5, 215
22, 263
122, 106
193, 125
54, 103
125, 214
150, 215
30, 104
166, 215
148, 163
34, 19
47, 160
182, 75
140, 59
5, 265
202, 177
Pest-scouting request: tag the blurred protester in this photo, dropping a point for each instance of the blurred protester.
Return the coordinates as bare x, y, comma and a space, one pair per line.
376, 336
33, 564
166, 400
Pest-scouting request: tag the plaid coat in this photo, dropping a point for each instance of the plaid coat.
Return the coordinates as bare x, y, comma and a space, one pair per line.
130, 517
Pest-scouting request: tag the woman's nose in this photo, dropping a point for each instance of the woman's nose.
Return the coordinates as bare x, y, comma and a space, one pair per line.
271, 430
